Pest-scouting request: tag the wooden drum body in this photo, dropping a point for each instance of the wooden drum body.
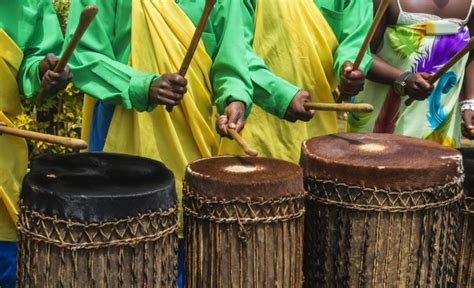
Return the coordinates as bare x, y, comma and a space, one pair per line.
383, 211
243, 223
466, 252
97, 220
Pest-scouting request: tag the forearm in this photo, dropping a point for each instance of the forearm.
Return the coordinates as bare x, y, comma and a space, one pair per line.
383, 72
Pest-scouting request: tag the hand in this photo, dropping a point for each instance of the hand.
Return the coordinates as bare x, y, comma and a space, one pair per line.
467, 125
352, 81
418, 86
233, 118
53, 82
296, 110
168, 90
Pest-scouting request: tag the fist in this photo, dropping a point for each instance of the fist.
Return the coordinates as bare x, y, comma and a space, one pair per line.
168, 90
418, 86
352, 81
296, 110
232, 118
51, 81
467, 125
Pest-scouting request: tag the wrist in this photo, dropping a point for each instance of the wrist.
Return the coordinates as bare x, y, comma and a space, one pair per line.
467, 104
400, 85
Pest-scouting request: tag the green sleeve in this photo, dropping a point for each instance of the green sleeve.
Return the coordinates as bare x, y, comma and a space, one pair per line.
350, 21
46, 38
272, 93
229, 73
96, 68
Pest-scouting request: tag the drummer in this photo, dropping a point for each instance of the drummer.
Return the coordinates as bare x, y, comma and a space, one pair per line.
127, 62
288, 69
415, 40
29, 30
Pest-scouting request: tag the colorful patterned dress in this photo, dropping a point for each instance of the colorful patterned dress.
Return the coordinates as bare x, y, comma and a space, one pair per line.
410, 46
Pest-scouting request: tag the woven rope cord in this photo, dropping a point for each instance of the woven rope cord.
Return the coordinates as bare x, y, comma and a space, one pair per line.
40, 220
468, 207
330, 192
243, 211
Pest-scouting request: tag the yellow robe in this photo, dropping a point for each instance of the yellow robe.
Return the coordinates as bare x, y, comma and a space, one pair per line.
297, 44
13, 150
161, 33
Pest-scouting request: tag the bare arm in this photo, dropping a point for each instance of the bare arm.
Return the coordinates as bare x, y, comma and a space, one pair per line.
468, 89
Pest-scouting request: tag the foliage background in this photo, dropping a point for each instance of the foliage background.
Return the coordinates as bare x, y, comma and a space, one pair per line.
61, 115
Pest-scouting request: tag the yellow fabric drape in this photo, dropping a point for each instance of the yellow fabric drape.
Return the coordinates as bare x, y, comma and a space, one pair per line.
13, 150
161, 33
297, 44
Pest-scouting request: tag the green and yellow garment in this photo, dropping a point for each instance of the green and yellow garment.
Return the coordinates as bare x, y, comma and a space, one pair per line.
131, 43
297, 45
23, 25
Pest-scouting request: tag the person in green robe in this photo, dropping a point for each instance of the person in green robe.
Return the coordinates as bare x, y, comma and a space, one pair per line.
29, 30
350, 21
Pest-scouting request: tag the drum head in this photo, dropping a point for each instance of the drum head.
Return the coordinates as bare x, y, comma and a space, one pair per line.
244, 177
380, 160
97, 187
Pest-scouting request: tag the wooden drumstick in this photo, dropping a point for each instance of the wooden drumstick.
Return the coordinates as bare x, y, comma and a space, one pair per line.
342, 107
87, 15
195, 41
236, 136
53, 139
365, 45
468, 48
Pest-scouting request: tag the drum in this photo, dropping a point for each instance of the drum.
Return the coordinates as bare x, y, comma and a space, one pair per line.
382, 211
243, 223
97, 220
466, 252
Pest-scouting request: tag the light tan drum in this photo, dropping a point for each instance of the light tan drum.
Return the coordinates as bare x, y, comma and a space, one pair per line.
243, 223
383, 211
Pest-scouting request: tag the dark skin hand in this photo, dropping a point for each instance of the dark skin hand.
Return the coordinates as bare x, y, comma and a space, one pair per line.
53, 82
168, 90
418, 87
352, 82
296, 110
233, 118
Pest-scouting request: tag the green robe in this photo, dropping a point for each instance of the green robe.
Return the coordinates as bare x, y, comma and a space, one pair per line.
350, 21
100, 62
33, 25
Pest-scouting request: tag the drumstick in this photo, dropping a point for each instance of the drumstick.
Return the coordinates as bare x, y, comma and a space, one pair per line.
343, 107
195, 41
365, 45
53, 139
236, 136
87, 15
447, 66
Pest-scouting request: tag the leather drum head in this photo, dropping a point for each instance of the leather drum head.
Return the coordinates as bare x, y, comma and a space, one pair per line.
228, 178
97, 187
380, 160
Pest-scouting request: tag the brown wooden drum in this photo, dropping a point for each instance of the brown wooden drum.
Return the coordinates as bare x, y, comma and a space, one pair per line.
466, 252
97, 220
243, 223
383, 211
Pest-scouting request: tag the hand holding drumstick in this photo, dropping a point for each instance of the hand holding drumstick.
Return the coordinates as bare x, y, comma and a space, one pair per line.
231, 123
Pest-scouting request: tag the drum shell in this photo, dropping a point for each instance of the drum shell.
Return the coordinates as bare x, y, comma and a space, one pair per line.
359, 236
465, 271
243, 242
136, 252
